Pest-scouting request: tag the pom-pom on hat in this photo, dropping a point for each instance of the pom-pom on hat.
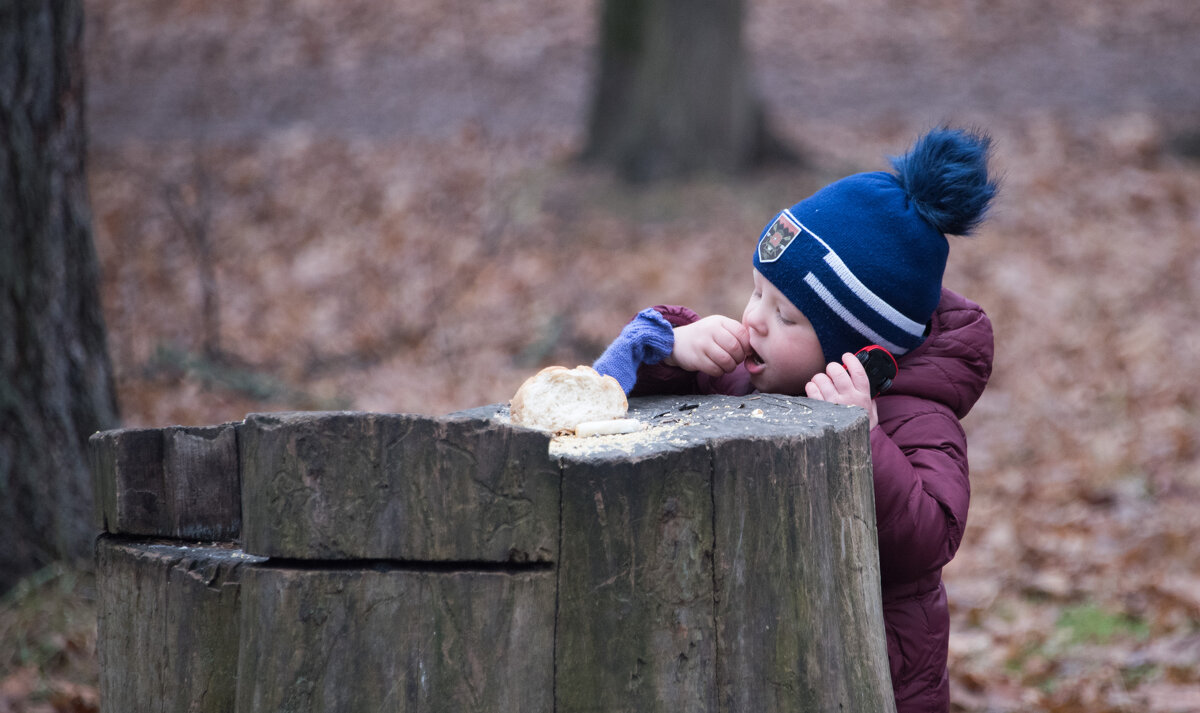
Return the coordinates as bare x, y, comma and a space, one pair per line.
863, 257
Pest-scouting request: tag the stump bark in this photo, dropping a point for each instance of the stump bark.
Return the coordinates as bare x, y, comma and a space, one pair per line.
168, 625
724, 559
396, 639
177, 482
398, 487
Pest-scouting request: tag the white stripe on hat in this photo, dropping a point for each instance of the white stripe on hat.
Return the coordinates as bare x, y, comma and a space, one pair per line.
840, 310
860, 290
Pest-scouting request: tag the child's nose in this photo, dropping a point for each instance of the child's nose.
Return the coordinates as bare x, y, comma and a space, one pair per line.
752, 318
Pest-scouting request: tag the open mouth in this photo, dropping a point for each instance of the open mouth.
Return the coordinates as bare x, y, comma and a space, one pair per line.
755, 364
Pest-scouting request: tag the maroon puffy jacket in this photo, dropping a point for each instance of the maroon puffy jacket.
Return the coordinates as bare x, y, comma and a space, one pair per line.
919, 452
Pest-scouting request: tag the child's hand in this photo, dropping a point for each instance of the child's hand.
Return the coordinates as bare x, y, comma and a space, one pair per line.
845, 384
714, 345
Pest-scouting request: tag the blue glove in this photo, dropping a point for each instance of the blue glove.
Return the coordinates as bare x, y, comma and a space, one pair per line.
648, 339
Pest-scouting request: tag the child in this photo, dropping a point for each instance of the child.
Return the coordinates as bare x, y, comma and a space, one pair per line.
860, 262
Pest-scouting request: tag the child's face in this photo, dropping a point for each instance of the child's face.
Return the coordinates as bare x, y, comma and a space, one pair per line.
786, 353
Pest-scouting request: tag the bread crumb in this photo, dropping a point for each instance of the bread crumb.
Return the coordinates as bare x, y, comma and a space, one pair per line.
570, 445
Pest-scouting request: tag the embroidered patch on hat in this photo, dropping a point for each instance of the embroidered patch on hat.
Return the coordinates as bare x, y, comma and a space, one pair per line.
778, 237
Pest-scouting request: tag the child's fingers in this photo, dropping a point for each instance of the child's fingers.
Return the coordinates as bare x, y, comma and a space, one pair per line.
709, 359
840, 377
735, 345
857, 373
717, 361
821, 387
837, 384
742, 336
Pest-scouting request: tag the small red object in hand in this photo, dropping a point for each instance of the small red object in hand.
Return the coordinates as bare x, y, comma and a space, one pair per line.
881, 367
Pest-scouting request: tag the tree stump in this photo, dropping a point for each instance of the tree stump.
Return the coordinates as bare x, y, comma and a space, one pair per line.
397, 487
396, 639
724, 559
175, 482
168, 626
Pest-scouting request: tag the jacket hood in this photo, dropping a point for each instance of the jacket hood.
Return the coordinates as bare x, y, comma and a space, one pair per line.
953, 364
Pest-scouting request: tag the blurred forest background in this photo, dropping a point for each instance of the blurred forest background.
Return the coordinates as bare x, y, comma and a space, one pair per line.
375, 205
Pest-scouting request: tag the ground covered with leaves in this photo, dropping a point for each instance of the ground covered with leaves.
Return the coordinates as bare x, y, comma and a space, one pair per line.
375, 206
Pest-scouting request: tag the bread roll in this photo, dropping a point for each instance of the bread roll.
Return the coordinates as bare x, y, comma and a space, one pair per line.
558, 399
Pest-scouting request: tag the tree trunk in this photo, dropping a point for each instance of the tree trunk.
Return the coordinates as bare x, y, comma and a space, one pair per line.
57, 379
673, 94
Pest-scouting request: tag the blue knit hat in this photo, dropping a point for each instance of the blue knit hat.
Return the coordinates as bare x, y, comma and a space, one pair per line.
863, 257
